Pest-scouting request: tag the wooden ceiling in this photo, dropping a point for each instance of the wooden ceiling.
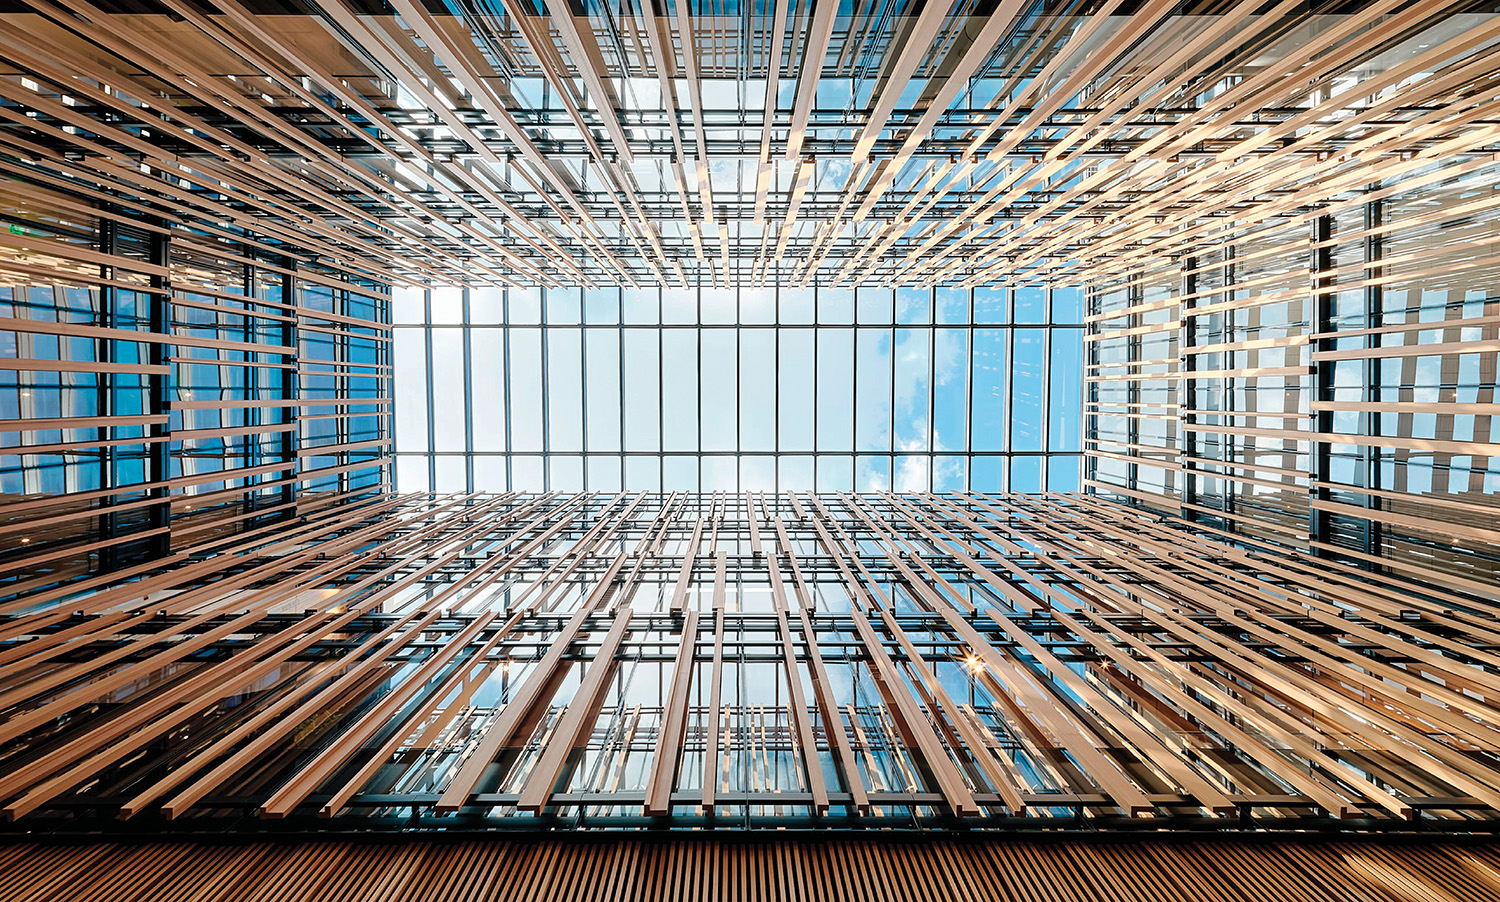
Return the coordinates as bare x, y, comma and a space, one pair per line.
785, 868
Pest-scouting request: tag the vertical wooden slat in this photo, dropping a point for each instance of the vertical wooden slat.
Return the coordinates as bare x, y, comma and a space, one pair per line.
674, 721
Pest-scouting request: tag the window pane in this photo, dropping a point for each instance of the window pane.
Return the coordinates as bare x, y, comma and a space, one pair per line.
410, 355
893, 402
602, 361
487, 370
448, 378
796, 305
526, 390
720, 384
408, 305
1065, 391
563, 306
950, 395
872, 390
913, 362
1027, 390
1031, 305
835, 473
642, 402
757, 428
795, 390
1026, 474
758, 305
447, 306
835, 425
679, 382
991, 305
990, 372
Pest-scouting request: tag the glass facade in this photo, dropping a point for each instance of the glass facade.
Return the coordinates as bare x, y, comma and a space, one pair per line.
725, 389
1339, 400
188, 387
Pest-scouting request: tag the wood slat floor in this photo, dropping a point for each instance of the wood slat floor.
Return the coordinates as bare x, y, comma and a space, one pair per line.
751, 868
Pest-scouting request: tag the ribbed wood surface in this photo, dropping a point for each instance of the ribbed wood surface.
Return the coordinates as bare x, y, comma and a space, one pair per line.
706, 869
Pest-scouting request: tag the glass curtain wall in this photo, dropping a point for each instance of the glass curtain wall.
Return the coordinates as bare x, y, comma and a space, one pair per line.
158, 386
766, 389
1339, 399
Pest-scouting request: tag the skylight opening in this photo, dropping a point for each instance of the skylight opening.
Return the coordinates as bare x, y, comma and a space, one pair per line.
772, 389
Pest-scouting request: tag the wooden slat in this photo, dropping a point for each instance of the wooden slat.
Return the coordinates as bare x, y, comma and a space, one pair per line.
501, 732
1116, 664
577, 721
664, 760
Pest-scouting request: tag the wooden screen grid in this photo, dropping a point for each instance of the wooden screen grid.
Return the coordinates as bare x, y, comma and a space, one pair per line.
462, 662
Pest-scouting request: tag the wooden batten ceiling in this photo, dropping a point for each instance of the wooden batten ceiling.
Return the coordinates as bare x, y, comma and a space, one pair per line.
812, 870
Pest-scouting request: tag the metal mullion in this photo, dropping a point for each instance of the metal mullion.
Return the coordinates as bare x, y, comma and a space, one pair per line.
890, 434
1319, 525
969, 397
739, 392
1188, 339
661, 420
1374, 298
468, 367
854, 407
431, 392
701, 381
1046, 388
1227, 442
837, 452
159, 462
620, 359
583, 392
1090, 426
385, 353
339, 301
505, 387
346, 422
776, 387
931, 387
291, 385
698, 398
546, 409
1134, 298
1007, 397
248, 458
817, 335
105, 389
